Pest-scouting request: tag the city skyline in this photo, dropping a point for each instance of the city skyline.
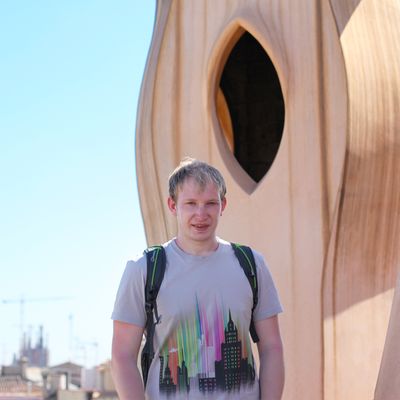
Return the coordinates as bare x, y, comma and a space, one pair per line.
207, 357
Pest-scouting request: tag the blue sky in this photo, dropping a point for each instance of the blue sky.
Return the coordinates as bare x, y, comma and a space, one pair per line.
70, 76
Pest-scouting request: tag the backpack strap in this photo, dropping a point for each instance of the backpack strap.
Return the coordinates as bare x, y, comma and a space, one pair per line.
156, 263
248, 264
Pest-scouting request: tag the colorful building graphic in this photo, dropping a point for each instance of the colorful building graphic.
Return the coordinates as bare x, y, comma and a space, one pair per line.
206, 357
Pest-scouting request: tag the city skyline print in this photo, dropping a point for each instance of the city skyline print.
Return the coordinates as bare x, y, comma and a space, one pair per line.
207, 354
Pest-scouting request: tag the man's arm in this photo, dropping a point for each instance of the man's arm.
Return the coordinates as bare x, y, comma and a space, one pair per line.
125, 349
272, 373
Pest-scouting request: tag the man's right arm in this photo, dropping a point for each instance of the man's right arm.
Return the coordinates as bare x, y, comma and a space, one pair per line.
125, 350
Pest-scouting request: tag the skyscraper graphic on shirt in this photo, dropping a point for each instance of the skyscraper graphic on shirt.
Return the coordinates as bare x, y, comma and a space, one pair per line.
207, 355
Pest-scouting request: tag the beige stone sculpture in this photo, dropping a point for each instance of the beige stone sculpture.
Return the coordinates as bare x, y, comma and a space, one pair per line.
325, 207
388, 386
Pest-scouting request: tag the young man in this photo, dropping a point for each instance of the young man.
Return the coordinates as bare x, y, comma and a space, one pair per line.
202, 345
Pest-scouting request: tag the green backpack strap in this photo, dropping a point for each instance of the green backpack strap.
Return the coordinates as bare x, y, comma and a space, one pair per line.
246, 260
156, 263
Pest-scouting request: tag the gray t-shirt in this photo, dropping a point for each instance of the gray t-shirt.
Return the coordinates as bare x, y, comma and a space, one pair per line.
202, 345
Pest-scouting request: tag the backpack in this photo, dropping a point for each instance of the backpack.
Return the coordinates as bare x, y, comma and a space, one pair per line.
156, 263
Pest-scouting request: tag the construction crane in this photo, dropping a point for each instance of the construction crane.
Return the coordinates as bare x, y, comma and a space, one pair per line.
83, 346
22, 302
77, 344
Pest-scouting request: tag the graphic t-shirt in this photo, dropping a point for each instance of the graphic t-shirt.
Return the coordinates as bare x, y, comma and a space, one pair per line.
202, 344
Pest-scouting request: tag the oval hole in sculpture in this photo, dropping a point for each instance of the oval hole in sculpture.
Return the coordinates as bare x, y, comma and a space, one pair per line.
250, 106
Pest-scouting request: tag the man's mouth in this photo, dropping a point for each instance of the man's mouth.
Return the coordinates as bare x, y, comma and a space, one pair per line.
200, 227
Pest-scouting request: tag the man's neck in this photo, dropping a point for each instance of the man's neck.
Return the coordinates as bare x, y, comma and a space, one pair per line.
197, 248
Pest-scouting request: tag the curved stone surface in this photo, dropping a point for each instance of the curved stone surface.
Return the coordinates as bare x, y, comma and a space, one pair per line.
326, 215
364, 254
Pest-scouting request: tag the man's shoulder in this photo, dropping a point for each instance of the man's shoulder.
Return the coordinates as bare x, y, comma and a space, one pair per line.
230, 243
224, 243
258, 256
136, 264
139, 261
155, 245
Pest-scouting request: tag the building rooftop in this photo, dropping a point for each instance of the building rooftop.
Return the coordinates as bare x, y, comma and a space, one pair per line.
16, 387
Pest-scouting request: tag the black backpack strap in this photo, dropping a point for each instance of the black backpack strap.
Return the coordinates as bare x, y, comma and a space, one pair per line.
156, 263
248, 264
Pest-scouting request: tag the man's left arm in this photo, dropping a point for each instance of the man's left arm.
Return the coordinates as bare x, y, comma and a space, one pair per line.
270, 348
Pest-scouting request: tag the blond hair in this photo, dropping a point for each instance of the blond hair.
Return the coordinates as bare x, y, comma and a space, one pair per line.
200, 171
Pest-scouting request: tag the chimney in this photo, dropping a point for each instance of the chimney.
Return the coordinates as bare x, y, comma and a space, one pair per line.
45, 376
23, 362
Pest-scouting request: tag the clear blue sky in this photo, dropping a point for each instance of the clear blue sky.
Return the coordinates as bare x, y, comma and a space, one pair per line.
70, 76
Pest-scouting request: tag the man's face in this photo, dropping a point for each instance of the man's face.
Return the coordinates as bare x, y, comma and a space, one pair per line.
197, 211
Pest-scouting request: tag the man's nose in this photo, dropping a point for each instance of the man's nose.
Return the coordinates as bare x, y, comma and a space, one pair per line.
200, 210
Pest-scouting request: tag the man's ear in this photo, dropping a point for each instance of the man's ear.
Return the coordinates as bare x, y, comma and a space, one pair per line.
172, 205
223, 204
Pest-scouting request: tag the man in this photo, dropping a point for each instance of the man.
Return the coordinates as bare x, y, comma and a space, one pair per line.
202, 345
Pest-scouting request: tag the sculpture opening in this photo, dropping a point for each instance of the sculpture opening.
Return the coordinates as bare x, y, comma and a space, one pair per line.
250, 106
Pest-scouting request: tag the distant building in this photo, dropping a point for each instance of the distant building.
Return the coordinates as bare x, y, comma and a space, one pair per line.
15, 384
71, 371
65, 381
37, 355
16, 388
99, 382
98, 378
